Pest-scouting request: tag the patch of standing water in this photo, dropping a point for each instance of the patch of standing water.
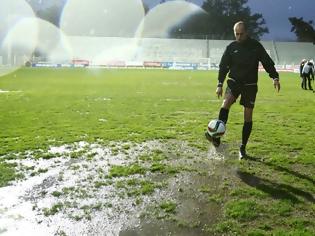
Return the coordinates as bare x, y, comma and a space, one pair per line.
71, 194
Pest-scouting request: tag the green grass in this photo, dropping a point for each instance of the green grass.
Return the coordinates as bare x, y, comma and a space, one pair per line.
168, 206
53, 210
118, 171
270, 194
7, 173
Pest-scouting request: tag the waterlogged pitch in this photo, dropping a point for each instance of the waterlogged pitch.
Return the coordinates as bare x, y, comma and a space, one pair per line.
123, 151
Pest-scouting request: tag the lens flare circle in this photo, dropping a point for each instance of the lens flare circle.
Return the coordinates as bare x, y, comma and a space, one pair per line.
17, 34
109, 18
52, 43
161, 19
97, 29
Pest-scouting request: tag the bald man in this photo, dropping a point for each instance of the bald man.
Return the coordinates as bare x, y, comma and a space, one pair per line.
240, 61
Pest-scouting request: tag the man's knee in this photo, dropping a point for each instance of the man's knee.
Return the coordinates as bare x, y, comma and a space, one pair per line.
229, 99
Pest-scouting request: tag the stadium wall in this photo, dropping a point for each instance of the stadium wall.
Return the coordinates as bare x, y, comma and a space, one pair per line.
164, 53
190, 53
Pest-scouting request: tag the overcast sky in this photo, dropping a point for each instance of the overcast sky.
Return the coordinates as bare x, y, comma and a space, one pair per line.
276, 14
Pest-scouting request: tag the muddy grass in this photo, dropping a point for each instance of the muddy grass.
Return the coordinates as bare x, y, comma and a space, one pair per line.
165, 187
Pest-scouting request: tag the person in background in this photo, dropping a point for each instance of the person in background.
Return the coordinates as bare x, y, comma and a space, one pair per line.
303, 82
308, 74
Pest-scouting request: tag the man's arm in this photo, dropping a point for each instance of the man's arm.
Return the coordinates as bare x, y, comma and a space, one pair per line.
269, 66
276, 84
224, 68
268, 63
301, 68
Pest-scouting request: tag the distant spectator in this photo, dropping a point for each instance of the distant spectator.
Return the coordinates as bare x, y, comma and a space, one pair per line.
28, 64
307, 73
303, 83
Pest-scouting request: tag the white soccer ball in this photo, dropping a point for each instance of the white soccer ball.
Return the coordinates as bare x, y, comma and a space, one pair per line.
216, 128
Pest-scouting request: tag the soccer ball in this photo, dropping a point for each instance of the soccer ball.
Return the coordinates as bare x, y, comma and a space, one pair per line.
216, 128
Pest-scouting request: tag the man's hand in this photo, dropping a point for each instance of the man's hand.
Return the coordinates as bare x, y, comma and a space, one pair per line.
219, 91
276, 84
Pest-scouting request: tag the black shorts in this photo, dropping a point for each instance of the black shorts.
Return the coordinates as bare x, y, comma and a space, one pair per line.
247, 91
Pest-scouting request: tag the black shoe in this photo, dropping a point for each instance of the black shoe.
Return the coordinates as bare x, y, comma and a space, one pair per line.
242, 152
215, 141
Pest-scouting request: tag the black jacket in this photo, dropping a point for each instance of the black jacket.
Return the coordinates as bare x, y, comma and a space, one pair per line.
241, 60
301, 67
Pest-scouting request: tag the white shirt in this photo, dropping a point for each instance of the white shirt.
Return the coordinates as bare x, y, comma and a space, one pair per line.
307, 68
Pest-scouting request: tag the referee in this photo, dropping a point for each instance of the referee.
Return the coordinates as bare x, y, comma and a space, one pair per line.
240, 61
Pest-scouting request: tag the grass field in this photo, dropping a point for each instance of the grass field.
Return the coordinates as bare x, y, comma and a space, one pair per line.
272, 193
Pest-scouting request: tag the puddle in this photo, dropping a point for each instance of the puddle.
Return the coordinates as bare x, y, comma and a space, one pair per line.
102, 99
6, 91
71, 192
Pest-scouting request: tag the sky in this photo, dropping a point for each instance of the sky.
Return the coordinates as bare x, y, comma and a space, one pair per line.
275, 13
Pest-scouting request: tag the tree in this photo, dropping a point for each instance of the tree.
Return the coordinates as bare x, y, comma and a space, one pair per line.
195, 26
50, 14
221, 17
224, 14
304, 31
145, 7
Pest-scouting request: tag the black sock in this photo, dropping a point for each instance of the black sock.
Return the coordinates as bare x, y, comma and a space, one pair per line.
247, 129
224, 115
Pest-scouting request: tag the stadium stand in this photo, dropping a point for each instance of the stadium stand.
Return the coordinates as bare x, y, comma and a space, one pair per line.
153, 49
293, 53
184, 50
111, 51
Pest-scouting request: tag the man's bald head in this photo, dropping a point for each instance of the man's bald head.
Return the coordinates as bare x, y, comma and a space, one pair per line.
240, 31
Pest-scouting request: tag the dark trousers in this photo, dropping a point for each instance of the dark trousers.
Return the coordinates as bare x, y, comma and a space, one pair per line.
303, 83
309, 83
306, 77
